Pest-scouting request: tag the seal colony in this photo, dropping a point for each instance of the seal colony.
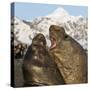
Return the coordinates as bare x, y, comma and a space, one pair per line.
64, 63
70, 57
39, 68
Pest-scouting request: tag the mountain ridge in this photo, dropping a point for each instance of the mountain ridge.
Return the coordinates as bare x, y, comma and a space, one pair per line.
75, 26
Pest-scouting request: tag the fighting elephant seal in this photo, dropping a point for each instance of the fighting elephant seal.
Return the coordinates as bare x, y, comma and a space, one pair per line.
70, 57
38, 66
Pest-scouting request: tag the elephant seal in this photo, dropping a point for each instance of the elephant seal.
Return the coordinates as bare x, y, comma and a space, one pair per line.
70, 57
19, 50
38, 66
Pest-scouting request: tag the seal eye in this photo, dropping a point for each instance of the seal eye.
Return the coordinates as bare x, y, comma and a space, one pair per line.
66, 36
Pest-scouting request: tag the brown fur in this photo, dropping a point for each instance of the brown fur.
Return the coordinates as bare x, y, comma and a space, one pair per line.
69, 56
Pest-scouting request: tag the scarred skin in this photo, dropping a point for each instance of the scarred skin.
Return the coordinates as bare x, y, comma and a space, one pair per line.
70, 57
38, 66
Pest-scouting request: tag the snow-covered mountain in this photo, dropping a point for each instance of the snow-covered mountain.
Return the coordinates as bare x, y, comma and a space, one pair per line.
75, 26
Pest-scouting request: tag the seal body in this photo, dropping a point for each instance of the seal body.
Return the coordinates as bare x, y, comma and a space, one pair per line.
38, 66
70, 57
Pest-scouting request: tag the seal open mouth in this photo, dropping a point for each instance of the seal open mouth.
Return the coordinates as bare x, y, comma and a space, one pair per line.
53, 42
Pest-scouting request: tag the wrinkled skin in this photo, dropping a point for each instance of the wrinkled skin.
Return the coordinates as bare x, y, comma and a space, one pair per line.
70, 57
38, 66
